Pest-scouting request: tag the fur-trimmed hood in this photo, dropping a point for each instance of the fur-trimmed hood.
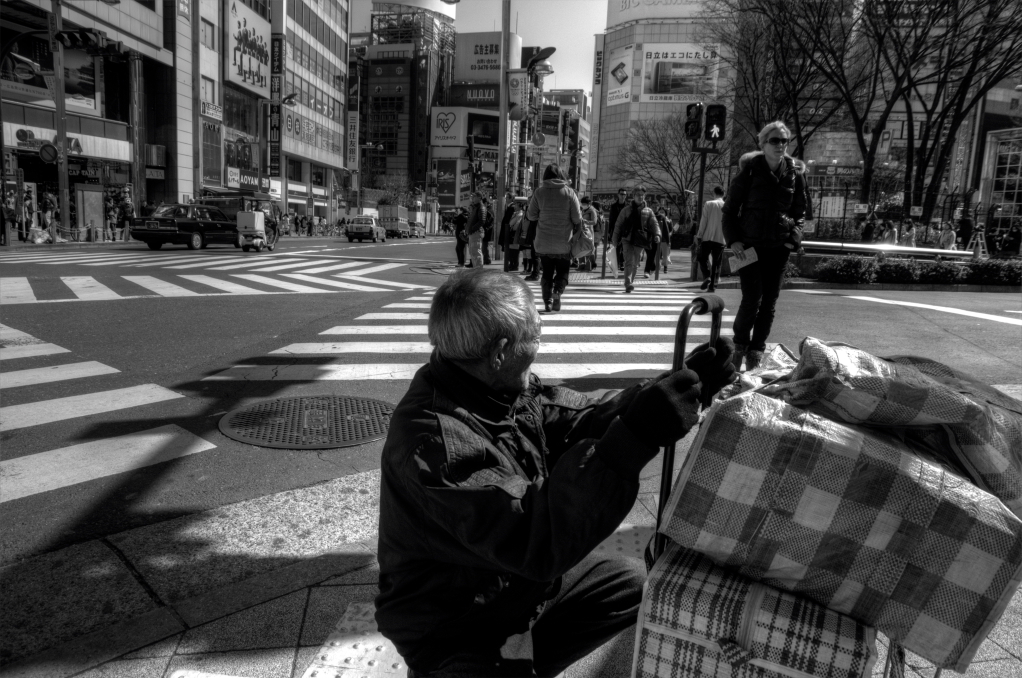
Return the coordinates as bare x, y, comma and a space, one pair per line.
744, 161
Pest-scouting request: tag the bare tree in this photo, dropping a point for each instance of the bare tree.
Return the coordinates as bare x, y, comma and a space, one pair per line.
660, 156
769, 77
396, 190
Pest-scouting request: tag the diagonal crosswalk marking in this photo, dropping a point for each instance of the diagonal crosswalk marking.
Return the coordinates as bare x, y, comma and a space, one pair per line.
393, 371
253, 264
46, 375
72, 407
282, 267
169, 260
160, 287
89, 289
17, 344
377, 281
548, 331
67, 466
16, 291
377, 329
586, 307
107, 260
333, 267
411, 347
127, 260
202, 264
334, 283
225, 285
376, 269
283, 284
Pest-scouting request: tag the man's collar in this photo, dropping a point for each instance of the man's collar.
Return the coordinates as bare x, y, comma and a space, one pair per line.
470, 393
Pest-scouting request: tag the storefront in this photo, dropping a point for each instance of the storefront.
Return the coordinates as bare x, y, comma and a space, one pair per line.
1001, 183
298, 199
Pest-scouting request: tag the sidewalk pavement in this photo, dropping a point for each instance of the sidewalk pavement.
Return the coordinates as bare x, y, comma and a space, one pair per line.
254, 590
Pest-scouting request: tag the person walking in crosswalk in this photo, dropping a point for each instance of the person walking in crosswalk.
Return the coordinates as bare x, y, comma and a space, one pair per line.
710, 239
555, 207
475, 225
763, 213
636, 229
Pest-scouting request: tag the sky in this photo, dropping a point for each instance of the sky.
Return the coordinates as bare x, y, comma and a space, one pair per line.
568, 25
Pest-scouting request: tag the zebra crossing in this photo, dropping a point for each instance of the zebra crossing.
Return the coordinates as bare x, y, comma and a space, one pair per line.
601, 325
181, 277
31, 474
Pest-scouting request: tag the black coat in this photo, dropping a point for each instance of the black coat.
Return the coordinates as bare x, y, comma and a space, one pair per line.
762, 208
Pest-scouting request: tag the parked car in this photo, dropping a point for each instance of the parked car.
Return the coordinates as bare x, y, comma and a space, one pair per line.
193, 225
416, 230
366, 228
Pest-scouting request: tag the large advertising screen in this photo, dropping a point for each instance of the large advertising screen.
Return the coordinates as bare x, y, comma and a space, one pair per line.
28, 76
679, 72
248, 40
623, 11
618, 78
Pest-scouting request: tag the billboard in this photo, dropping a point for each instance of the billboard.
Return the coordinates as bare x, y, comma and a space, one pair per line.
447, 181
594, 120
480, 95
451, 125
478, 56
352, 154
248, 57
674, 72
27, 76
623, 11
618, 81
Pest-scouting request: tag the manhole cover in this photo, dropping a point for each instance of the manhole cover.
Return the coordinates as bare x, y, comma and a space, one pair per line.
309, 422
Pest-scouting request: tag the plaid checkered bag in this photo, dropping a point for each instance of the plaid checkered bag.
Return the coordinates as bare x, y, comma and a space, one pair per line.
699, 620
851, 519
971, 427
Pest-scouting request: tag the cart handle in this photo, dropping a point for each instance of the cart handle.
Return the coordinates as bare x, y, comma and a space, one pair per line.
701, 305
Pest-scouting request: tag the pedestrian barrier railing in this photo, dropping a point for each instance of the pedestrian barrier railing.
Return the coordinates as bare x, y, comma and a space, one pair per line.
818, 247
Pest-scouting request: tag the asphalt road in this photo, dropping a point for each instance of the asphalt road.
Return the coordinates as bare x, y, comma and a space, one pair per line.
147, 356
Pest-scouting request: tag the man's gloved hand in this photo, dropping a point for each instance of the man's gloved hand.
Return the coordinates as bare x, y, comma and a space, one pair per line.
713, 365
665, 409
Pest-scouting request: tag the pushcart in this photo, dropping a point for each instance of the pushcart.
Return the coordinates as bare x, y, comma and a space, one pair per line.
895, 663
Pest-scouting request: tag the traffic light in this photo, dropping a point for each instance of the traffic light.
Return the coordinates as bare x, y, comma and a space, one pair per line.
85, 39
693, 120
716, 122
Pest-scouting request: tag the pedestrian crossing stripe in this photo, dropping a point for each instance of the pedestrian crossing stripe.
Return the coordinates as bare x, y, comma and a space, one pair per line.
73, 407
413, 347
46, 375
393, 371
67, 466
552, 330
253, 265
561, 317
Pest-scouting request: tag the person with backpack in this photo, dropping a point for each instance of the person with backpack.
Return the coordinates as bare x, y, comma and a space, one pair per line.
555, 208
710, 240
763, 212
591, 216
635, 229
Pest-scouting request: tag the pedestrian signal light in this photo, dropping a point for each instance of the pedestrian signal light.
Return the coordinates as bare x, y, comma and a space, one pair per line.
693, 120
716, 122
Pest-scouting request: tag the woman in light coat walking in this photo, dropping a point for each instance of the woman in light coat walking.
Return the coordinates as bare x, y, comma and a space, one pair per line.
556, 208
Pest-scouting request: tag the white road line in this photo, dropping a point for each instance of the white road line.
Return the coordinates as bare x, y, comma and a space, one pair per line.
145, 258
282, 267
1013, 311
169, 260
572, 307
52, 470
250, 264
9, 335
16, 291
410, 347
393, 371
46, 375
104, 260
30, 351
810, 291
943, 309
377, 269
38, 258
377, 281
333, 283
567, 317
283, 284
72, 407
89, 289
225, 285
214, 260
592, 298
377, 329
334, 267
160, 287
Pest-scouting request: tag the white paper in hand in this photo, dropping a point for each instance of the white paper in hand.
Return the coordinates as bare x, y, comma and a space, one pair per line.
750, 258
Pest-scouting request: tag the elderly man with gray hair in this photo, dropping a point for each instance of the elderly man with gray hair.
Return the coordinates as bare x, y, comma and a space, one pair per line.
496, 489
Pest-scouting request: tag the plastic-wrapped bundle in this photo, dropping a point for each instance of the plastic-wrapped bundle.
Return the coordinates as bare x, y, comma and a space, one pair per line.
700, 620
852, 519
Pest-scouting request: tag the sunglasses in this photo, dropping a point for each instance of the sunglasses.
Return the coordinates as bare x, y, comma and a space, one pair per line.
777, 141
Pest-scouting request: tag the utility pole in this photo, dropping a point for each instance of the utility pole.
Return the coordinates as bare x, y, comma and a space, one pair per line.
56, 25
502, 91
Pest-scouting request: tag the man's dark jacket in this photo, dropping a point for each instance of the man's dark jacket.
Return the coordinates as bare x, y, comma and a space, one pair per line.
762, 208
486, 500
615, 212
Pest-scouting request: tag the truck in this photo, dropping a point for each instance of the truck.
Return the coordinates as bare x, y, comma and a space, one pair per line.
394, 219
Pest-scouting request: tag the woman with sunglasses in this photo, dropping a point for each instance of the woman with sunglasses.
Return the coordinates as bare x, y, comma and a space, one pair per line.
764, 211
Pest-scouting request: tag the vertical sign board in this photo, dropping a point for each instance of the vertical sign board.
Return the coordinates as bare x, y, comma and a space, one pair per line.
594, 121
277, 66
352, 159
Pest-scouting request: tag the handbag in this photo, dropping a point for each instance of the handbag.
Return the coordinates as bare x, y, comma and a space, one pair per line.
583, 242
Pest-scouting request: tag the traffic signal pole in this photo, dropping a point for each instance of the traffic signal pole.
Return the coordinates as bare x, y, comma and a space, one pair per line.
56, 24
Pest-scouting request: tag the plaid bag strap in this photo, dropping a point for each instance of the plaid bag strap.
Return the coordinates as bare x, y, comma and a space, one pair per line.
733, 653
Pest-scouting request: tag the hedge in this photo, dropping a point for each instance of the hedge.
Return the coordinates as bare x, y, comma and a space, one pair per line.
864, 270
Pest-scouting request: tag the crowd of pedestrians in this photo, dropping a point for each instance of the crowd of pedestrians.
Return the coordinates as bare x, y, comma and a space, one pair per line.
946, 236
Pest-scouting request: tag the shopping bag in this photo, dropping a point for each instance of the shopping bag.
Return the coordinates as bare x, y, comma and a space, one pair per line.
698, 619
852, 519
611, 257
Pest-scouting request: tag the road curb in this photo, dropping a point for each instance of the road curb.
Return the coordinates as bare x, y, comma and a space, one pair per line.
103, 645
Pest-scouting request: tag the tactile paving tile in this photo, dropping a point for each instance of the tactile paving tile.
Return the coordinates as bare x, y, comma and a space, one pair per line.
627, 540
356, 649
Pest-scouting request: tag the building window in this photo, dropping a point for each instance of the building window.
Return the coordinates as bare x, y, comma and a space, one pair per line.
212, 165
260, 7
241, 112
207, 35
208, 90
294, 170
318, 175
